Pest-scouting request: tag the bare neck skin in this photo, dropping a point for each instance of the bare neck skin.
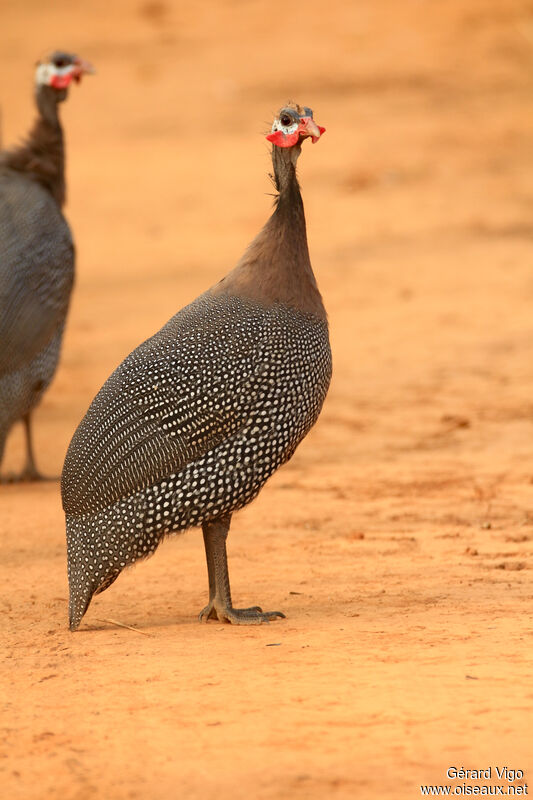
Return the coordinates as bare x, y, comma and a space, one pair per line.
276, 267
42, 154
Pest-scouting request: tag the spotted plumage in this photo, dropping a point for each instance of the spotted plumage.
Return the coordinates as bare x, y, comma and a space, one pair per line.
187, 430
36, 275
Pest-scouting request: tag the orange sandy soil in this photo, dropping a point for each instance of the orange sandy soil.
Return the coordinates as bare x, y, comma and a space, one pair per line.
399, 539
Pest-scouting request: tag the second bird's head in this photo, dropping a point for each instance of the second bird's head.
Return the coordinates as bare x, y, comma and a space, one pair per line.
292, 125
58, 70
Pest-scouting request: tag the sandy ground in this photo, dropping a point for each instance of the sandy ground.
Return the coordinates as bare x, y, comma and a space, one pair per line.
399, 540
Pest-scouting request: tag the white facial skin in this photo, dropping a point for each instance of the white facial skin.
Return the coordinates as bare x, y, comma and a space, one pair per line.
286, 129
45, 72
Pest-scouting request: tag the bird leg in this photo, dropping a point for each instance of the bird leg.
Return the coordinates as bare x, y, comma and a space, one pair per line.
219, 606
30, 471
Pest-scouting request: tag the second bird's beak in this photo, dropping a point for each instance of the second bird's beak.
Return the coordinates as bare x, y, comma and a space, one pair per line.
82, 67
308, 127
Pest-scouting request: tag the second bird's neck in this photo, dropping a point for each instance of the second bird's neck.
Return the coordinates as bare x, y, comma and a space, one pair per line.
42, 155
276, 267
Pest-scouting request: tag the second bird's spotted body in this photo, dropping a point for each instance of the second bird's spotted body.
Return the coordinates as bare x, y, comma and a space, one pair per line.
36, 256
188, 428
36, 276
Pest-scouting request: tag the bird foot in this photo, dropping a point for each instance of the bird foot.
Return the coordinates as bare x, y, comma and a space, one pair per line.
28, 475
237, 616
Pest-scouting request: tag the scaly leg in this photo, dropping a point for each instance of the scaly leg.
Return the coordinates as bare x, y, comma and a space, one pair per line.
219, 606
30, 471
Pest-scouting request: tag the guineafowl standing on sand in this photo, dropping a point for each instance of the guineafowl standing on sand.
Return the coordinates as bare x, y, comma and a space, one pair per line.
36, 254
190, 426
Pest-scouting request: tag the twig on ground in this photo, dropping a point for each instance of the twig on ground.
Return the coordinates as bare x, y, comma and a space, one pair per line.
123, 625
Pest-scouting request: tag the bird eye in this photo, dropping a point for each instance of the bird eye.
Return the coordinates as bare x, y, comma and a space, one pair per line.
60, 62
285, 120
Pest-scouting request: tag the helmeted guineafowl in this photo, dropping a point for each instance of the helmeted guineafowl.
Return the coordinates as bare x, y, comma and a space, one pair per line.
36, 254
190, 426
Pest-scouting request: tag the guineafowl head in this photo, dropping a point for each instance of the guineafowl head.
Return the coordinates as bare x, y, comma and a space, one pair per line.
57, 71
292, 125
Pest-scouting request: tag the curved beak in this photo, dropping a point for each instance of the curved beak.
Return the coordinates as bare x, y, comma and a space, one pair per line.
82, 67
308, 127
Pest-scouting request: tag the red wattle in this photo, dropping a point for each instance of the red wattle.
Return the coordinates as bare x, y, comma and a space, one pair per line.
60, 81
281, 139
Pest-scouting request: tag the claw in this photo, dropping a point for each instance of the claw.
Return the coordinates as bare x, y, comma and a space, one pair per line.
238, 616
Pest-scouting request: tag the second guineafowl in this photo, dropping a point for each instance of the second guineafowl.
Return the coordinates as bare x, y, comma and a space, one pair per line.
36, 254
190, 426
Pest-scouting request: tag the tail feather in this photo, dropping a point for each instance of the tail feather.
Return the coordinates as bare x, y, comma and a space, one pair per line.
78, 605
92, 567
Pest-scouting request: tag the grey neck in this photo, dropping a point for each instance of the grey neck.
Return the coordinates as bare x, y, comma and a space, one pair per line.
289, 217
47, 100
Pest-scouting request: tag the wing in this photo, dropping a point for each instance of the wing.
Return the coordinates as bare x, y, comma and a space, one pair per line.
170, 402
36, 270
